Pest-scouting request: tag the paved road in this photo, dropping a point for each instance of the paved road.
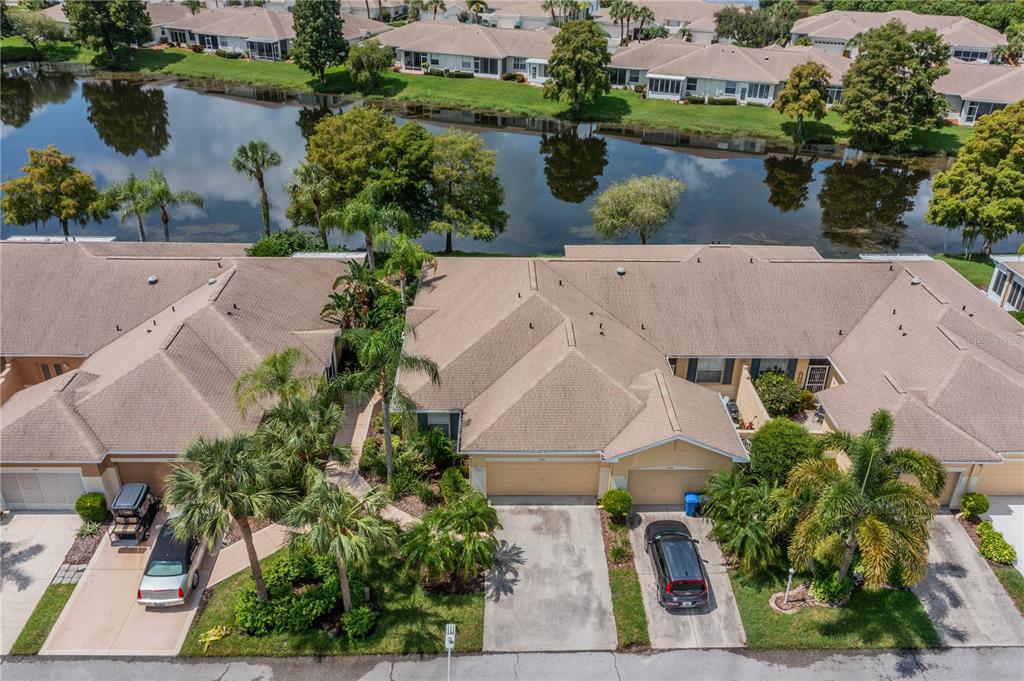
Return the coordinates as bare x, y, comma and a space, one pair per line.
990, 664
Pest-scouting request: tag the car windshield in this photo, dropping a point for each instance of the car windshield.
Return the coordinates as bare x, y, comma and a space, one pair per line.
165, 568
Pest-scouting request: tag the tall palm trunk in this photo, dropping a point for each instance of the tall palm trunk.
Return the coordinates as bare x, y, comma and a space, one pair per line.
346, 592
63, 228
369, 251
264, 204
254, 560
448, 242
386, 413
317, 213
142, 227
166, 219
848, 552
380, 11
368, 9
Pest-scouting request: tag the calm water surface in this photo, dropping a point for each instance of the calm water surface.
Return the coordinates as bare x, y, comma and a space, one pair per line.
116, 128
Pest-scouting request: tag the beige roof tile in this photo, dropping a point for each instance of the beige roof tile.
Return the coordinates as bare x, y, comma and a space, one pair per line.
470, 39
240, 22
982, 82
843, 25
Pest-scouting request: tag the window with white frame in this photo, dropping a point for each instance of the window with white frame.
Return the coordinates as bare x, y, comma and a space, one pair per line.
633, 76
467, 62
1000, 283
691, 86
779, 364
834, 94
970, 55
710, 369
730, 87
441, 421
518, 63
759, 91
664, 86
435, 59
1016, 297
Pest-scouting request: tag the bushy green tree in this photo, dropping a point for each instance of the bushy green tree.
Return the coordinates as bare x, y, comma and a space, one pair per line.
998, 14
983, 193
888, 89
804, 96
641, 205
319, 43
109, 25
577, 68
755, 27
777, 446
284, 242
466, 191
367, 60
33, 27
779, 394
52, 187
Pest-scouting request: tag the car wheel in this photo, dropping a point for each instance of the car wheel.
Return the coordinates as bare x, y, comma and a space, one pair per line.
195, 580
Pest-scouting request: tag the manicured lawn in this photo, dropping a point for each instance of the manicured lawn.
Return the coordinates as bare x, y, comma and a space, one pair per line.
628, 608
977, 270
16, 49
619, 107
884, 619
411, 621
1013, 581
42, 619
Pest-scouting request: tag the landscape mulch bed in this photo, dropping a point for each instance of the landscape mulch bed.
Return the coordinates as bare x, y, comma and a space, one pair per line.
233, 536
620, 532
412, 505
83, 547
971, 528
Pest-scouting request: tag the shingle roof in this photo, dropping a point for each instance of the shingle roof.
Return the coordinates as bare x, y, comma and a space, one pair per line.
843, 25
355, 26
160, 13
165, 381
683, 11
470, 39
241, 22
673, 57
982, 82
567, 354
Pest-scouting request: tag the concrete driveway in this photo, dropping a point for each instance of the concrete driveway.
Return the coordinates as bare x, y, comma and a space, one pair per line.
549, 590
32, 548
102, 617
961, 594
716, 626
1007, 515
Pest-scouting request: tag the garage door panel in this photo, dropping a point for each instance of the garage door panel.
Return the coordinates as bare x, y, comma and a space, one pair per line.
41, 491
664, 486
1004, 479
543, 478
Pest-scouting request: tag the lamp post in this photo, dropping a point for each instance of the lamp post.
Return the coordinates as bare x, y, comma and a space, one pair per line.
449, 645
789, 583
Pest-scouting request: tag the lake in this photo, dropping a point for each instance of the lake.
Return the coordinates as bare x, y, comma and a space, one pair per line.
551, 171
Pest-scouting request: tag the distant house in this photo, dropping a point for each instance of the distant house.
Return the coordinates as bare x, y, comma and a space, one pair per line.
832, 31
382, 10
255, 31
524, 14
673, 69
696, 16
976, 89
160, 14
1007, 285
471, 48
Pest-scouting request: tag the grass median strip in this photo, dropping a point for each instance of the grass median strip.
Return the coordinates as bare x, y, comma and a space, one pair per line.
1013, 582
619, 107
40, 622
890, 618
627, 601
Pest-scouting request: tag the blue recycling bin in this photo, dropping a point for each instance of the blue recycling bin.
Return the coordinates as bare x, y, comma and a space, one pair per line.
692, 502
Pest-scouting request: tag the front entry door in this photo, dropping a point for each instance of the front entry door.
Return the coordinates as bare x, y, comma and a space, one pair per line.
743, 93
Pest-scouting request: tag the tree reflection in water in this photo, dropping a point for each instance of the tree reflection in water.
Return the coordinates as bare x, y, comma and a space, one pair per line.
127, 116
572, 164
21, 95
788, 179
863, 203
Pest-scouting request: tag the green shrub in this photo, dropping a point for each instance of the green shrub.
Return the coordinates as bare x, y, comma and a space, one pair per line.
88, 528
371, 460
459, 74
621, 551
283, 243
198, 49
454, 484
808, 398
994, 546
779, 394
757, 105
830, 588
435, 447
777, 446
617, 502
694, 99
974, 504
233, 55
508, 75
722, 101
92, 507
425, 493
640, 89
358, 622
435, 72
1018, 315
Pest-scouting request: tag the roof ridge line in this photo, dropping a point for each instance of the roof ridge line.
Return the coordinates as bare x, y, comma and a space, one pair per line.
192, 388
666, 400
950, 424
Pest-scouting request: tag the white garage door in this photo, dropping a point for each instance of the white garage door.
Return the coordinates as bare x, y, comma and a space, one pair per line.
41, 491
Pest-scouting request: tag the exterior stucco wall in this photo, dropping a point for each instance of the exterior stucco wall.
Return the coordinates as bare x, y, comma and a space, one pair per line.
670, 456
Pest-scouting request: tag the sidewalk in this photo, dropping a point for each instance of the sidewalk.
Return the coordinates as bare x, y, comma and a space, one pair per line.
232, 559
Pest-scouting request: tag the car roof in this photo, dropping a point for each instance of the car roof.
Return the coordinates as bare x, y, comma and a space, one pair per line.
681, 559
130, 496
659, 526
167, 547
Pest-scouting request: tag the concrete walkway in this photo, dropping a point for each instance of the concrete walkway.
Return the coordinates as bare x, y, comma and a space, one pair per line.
233, 559
962, 595
990, 664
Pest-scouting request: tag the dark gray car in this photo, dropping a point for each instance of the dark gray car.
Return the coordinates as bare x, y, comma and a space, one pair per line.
678, 569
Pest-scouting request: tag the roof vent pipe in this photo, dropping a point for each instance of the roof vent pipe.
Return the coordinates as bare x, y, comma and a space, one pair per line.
915, 281
152, 279
211, 281
620, 271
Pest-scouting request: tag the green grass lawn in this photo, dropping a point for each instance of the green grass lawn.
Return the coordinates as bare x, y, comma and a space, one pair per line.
1013, 581
628, 608
42, 619
16, 49
411, 621
977, 270
883, 619
619, 107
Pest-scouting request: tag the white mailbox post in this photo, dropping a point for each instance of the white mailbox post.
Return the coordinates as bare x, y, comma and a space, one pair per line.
449, 645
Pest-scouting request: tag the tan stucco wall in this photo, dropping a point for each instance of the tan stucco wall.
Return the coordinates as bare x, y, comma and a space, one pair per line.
1004, 479
678, 455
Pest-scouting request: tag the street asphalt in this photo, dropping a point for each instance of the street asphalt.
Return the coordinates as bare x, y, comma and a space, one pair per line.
990, 664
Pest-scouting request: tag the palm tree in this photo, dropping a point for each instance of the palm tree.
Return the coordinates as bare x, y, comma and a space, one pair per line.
350, 307
130, 198
336, 522
415, 10
434, 6
302, 430
617, 12
476, 8
645, 15
740, 506
274, 377
311, 185
866, 508
381, 355
251, 160
366, 214
406, 257
549, 6
220, 482
630, 13
368, 15
161, 196
454, 541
